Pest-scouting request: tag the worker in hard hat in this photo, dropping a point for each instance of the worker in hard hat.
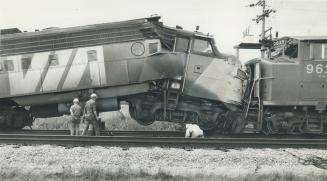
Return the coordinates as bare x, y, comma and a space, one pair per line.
91, 115
193, 131
76, 113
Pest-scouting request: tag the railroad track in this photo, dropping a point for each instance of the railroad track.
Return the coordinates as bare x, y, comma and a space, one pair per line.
165, 134
176, 142
102, 133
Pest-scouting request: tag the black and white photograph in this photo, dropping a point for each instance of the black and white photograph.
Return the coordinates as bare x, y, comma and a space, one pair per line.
187, 90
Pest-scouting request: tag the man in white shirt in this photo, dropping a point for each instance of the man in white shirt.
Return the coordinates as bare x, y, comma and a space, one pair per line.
76, 113
193, 131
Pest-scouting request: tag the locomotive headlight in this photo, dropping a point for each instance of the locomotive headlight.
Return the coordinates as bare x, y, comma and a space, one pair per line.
175, 85
178, 77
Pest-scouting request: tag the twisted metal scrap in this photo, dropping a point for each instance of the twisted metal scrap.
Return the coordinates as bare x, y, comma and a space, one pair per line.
316, 161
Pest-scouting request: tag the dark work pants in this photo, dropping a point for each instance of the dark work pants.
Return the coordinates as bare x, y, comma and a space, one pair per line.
91, 120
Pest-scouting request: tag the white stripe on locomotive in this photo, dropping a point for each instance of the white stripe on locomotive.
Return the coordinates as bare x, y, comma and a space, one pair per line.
20, 84
55, 73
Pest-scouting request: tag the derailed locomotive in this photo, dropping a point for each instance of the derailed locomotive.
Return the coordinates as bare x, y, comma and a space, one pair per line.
164, 73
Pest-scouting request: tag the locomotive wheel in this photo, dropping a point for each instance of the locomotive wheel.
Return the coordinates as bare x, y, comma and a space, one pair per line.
145, 122
208, 121
234, 122
268, 127
14, 118
230, 123
143, 117
238, 124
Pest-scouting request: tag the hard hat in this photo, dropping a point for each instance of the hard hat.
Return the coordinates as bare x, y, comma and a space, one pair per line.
93, 95
75, 100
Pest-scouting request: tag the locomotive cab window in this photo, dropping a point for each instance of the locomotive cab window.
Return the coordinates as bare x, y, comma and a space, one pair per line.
53, 60
202, 47
291, 50
288, 48
92, 55
318, 51
153, 48
26, 63
182, 44
8, 65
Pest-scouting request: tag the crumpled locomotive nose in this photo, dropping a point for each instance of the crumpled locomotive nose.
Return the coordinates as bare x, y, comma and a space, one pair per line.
163, 73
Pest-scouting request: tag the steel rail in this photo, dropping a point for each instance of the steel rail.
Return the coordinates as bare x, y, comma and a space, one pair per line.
179, 142
140, 133
102, 133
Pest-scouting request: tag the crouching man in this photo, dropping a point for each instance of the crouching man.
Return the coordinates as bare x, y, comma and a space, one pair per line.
193, 131
75, 112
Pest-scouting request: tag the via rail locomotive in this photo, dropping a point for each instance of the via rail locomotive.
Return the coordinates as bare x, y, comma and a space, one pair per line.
165, 74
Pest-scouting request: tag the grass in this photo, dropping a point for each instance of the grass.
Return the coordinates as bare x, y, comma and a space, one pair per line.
94, 174
117, 120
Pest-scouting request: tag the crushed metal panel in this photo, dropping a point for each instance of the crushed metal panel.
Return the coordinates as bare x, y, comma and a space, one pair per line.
217, 79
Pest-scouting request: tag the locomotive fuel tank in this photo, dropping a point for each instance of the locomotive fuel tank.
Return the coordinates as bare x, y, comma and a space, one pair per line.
53, 110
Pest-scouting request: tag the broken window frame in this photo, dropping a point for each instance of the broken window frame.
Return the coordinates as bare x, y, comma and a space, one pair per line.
295, 47
280, 47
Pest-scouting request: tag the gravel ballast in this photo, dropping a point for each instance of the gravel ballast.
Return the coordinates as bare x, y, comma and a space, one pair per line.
50, 160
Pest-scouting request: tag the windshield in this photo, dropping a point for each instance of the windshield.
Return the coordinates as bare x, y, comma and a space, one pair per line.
202, 46
182, 44
285, 47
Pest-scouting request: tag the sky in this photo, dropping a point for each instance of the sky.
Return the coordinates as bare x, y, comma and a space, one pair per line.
225, 19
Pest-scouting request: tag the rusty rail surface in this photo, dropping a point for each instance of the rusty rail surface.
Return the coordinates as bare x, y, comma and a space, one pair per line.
177, 142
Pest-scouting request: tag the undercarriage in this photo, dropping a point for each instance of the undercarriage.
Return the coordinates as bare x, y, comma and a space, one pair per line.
295, 121
212, 116
146, 109
163, 103
288, 120
13, 116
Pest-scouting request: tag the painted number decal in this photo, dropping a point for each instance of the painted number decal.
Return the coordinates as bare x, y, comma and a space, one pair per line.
309, 69
318, 69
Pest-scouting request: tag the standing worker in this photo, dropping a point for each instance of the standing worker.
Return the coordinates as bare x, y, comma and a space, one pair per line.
91, 116
75, 112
